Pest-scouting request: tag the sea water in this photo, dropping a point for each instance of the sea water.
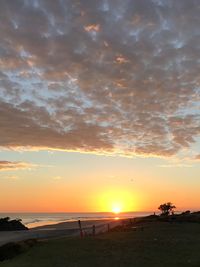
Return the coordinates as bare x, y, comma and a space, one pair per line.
39, 219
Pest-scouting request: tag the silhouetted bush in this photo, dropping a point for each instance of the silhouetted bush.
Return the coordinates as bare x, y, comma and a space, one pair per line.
11, 225
187, 212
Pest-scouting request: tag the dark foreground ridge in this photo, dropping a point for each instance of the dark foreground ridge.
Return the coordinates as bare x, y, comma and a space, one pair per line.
13, 249
152, 244
11, 225
186, 216
152, 241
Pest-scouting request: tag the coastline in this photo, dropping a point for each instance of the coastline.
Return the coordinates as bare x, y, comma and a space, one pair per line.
37, 219
58, 230
72, 224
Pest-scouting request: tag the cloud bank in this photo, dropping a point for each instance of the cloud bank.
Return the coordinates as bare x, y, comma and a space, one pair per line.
100, 76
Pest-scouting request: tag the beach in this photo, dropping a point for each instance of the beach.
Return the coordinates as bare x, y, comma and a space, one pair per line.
53, 225
62, 229
35, 219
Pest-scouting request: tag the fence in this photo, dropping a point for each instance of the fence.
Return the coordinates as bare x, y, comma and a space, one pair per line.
102, 228
93, 230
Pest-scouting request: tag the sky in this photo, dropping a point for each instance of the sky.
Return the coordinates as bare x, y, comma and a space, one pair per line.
99, 105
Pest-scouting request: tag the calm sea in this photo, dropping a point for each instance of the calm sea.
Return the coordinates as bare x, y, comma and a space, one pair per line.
39, 219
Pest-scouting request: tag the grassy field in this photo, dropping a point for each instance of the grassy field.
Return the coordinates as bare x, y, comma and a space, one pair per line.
160, 244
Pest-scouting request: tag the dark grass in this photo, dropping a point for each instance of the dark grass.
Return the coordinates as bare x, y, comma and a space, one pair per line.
160, 244
13, 249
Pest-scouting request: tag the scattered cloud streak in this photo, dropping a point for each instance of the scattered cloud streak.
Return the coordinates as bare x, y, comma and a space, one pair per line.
14, 165
180, 165
57, 178
12, 177
100, 76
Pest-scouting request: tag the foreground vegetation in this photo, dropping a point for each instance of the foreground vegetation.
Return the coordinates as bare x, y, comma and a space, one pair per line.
6, 224
159, 244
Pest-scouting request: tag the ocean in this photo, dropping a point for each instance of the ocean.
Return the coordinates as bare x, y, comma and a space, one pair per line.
39, 219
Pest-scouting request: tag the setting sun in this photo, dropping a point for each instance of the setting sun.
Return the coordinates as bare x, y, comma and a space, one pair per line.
116, 209
116, 200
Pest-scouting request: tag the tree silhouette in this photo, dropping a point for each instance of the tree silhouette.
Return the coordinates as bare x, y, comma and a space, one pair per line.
166, 208
6, 224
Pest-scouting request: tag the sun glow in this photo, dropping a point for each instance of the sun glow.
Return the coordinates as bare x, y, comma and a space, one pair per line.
116, 209
117, 201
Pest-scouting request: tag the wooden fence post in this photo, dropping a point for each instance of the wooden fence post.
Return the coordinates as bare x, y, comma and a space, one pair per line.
80, 228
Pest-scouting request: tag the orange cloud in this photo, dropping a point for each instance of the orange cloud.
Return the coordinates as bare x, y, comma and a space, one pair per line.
92, 27
120, 59
197, 157
14, 165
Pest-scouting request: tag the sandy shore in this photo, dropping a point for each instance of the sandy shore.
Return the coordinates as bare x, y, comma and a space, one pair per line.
57, 230
72, 224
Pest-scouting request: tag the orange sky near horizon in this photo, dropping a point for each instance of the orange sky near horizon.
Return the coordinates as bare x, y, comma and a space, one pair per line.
99, 184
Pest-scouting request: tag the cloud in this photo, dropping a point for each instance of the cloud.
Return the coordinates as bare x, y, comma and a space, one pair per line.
176, 165
197, 157
14, 165
92, 27
12, 177
42, 132
57, 178
100, 76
